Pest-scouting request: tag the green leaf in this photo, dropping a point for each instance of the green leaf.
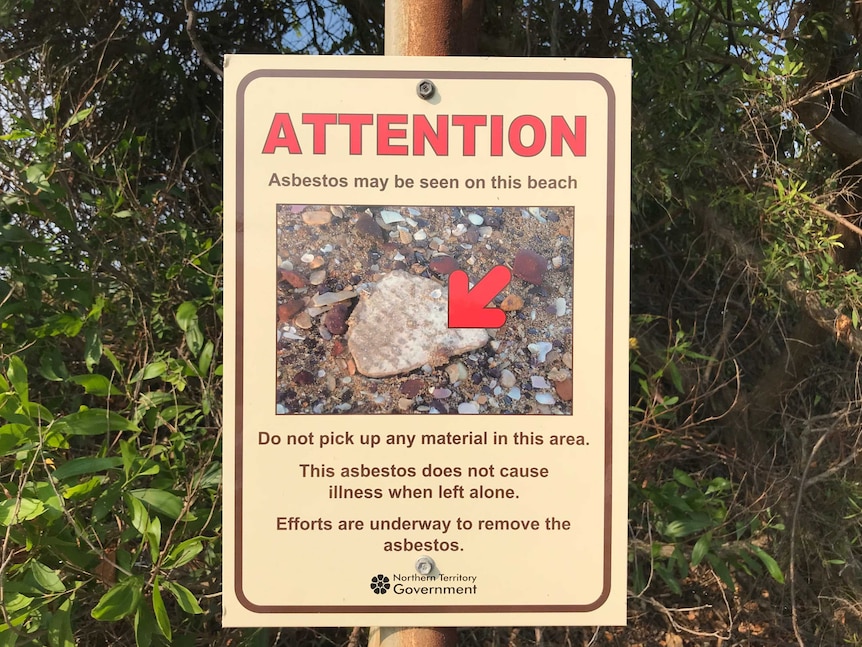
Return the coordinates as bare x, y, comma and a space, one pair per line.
187, 314
166, 503
150, 371
120, 601
701, 548
92, 422
184, 552
161, 612
79, 116
138, 515
145, 626
96, 384
107, 352
28, 509
684, 479
18, 377
184, 597
60, 626
46, 578
154, 537
92, 348
51, 367
771, 565
720, 568
86, 465
206, 358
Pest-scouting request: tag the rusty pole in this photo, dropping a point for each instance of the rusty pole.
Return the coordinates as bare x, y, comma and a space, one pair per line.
426, 28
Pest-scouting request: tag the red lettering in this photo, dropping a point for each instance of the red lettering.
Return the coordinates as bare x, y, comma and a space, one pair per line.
281, 135
516, 141
423, 132
496, 135
355, 123
575, 139
319, 122
385, 134
469, 124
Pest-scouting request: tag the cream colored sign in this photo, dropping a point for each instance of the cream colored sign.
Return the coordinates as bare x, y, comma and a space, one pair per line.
382, 466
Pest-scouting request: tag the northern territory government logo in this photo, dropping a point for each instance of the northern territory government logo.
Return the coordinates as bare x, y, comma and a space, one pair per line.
421, 585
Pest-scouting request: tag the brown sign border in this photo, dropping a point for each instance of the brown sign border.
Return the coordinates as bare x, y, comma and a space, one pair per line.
609, 318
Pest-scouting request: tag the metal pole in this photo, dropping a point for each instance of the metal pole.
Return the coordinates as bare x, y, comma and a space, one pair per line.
425, 28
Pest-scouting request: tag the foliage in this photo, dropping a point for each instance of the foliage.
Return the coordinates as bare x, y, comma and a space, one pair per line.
745, 411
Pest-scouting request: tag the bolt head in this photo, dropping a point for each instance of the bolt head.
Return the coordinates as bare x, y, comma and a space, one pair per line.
424, 565
425, 89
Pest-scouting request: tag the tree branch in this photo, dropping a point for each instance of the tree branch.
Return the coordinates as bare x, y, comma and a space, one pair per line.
820, 122
191, 16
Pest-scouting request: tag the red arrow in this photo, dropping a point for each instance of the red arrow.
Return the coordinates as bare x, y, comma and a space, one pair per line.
468, 308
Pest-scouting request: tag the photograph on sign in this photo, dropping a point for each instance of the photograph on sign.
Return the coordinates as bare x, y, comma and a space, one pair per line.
370, 294
426, 347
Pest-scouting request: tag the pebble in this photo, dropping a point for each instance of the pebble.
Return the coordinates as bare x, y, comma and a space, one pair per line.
560, 305
468, 407
391, 216
337, 211
540, 349
317, 277
564, 389
514, 393
443, 265
336, 319
404, 403
545, 398
332, 297
303, 378
365, 224
511, 303
557, 262
420, 235
539, 382
475, 219
404, 236
411, 388
456, 372
307, 258
302, 320
507, 378
316, 262
289, 309
317, 218
338, 347
399, 327
530, 266
295, 279
537, 214
440, 393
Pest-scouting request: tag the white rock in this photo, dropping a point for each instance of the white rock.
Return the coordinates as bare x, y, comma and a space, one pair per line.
540, 349
400, 327
539, 382
507, 378
560, 305
545, 398
475, 219
391, 216
514, 393
328, 298
307, 258
468, 407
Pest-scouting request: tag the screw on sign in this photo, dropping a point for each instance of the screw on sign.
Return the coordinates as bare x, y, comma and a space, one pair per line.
425, 89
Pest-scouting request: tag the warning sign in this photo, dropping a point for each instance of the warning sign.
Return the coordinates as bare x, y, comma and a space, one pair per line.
426, 341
